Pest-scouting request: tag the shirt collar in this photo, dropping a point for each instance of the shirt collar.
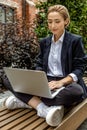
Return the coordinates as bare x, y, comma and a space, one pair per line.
60, 39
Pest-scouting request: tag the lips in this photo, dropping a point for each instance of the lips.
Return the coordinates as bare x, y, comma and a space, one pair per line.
54, 30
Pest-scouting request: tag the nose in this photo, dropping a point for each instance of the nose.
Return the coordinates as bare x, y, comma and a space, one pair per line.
53, 25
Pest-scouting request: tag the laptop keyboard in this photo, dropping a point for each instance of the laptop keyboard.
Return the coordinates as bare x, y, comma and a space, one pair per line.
54, 90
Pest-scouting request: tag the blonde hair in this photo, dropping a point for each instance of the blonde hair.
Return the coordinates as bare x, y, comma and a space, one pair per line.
62, 10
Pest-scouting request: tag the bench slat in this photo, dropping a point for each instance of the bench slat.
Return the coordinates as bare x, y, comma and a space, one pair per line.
25, 123
10, 114
42, 126
6, 112
2, 109
34, 124
12, 117
85, 80
51, 128
19, 118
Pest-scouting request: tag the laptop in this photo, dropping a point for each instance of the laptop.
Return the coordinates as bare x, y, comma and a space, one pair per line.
30, 82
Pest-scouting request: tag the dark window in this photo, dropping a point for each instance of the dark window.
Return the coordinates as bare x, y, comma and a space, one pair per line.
6, 14
6, 21
2, 15
9, 15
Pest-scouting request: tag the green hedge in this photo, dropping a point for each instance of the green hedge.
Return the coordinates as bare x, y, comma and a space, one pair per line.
78, 15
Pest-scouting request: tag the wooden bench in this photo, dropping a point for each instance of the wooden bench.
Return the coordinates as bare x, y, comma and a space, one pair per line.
25, 119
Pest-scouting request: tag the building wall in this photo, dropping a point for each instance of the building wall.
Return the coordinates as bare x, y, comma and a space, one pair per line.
17, 4
19, 8
30, 13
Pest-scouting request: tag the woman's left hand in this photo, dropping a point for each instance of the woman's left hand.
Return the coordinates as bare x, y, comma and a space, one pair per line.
55, 84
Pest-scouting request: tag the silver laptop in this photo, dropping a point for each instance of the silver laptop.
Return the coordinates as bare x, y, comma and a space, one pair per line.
31, 82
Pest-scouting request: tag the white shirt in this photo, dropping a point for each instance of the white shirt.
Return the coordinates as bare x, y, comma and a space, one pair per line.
54, 59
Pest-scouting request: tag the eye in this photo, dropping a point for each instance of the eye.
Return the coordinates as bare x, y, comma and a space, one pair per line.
49, 22
57, 21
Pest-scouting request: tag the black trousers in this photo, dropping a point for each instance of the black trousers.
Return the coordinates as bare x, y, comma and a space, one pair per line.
71, 94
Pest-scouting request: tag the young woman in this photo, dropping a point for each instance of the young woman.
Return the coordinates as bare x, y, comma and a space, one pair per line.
63, 59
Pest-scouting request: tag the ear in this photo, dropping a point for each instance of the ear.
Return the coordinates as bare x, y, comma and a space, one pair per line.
67, 21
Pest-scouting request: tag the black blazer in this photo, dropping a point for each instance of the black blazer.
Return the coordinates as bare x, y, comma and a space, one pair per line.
73, 58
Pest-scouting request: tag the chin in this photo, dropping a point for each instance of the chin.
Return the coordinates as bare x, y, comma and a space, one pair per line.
55, 33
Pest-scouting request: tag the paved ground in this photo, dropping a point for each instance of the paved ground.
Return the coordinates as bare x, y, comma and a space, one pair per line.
6, 94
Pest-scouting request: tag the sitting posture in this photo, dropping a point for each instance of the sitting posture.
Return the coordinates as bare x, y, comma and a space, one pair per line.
63, 59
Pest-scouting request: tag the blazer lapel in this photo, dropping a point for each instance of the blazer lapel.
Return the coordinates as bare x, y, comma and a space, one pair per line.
47, 50
66, 42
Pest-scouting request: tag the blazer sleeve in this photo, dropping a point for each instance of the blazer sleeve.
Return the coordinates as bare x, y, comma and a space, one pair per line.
79, 58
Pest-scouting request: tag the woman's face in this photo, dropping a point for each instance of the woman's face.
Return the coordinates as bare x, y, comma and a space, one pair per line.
56, 23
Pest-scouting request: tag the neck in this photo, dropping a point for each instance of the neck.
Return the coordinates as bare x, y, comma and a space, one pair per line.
56, 38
